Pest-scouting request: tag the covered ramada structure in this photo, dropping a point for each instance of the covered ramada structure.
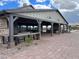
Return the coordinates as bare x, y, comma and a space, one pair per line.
30, 21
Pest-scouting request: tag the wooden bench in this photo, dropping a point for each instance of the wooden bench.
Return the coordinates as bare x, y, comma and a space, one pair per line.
22, 36
5, 38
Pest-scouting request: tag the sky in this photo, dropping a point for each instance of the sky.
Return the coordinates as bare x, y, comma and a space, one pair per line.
68, 8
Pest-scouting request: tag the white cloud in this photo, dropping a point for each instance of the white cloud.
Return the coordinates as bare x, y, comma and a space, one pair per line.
9, 0
64, 7
78, 14
23, 1
40, 0
26, 1
77, 5
2, 3
20, 4
52, 3
65, 4
38, 6
71, 10
66, 10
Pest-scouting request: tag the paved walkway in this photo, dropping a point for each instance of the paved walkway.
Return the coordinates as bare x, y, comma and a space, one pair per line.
63, 46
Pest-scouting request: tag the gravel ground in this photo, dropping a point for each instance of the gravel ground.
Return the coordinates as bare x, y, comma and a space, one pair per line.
62, 46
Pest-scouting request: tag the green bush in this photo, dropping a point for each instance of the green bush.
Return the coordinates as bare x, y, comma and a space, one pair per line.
28, 40
75, 28
2, 12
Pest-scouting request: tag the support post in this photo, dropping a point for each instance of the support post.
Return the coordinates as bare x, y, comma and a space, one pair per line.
46, 29
68, 30
59, 28
51, 29
63, 28
39, 28
11, 31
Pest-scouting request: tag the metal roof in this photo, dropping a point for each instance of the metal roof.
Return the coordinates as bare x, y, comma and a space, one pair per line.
29, 9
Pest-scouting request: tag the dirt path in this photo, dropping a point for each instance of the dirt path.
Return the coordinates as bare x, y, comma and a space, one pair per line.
63, 46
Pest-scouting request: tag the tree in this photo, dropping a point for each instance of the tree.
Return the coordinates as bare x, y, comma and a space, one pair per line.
2, 12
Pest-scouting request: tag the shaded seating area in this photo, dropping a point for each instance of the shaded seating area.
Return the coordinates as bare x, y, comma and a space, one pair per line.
45, 28
27, 21
56, 28
24, 27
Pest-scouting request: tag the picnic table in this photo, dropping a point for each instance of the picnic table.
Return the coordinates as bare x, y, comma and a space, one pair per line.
25, 34
20, 35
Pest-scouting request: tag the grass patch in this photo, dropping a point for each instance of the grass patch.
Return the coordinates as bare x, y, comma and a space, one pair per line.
28, 40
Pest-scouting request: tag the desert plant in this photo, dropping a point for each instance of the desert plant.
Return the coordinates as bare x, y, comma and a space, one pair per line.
28, 40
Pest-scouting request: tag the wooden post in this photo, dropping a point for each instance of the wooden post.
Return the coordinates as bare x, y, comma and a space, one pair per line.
59, 28
63, 28
11, 31
68, 29
11, 20
39, 28
51, 29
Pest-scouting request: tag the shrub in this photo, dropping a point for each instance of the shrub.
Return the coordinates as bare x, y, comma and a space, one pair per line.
28, 40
